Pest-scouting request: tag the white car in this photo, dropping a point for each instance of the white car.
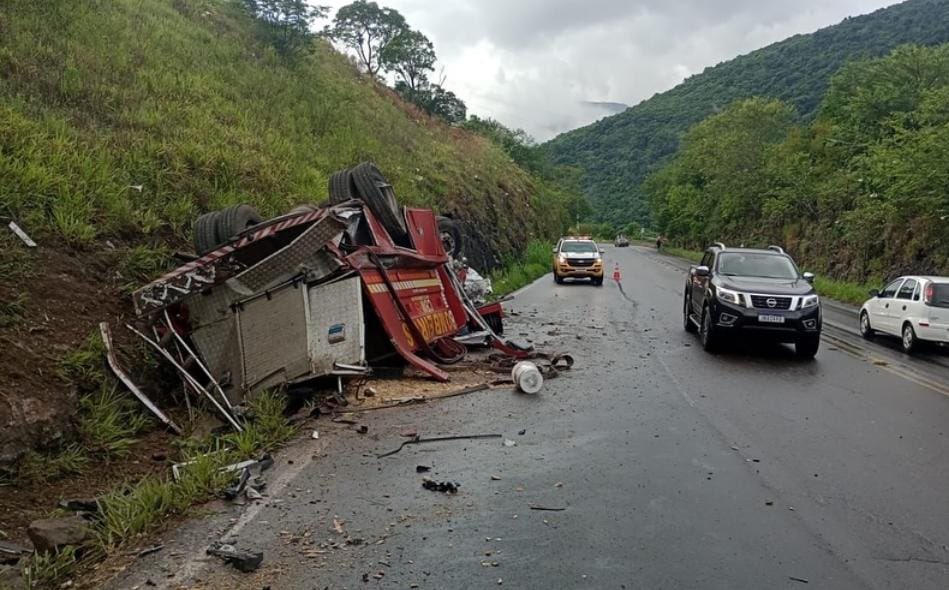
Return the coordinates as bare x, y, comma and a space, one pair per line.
914, 308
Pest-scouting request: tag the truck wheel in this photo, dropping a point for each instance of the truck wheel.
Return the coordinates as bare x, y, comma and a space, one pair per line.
341, 187
234, 220
806, 347
690, 326
377, 193
597, 281
451, 237
205, 232
707, 334
494, 322
557, 278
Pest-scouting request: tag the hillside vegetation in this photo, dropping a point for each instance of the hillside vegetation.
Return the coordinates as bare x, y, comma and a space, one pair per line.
131, 117
860, 193
617, 153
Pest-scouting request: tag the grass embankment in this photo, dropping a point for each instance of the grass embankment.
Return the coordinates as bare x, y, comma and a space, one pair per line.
519, 272
134, 120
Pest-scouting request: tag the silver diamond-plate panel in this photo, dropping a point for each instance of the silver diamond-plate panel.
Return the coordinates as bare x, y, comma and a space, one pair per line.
307, 252
213, 329
335, 325
273, 336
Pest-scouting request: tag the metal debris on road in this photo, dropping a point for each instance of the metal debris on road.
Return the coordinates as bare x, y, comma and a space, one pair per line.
419, 440
446, 487
801, 580
422, 469
245, 561
509, 443
546, 508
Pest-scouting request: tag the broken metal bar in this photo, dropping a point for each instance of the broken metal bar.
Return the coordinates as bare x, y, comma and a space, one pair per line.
187, 376
545, 508
106, 333
419, 440
183, 344
21, 234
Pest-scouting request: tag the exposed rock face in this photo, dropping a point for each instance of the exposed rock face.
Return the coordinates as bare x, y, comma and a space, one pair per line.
50, 534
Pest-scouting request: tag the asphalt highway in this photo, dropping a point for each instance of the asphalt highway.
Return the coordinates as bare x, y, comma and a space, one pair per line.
651, 465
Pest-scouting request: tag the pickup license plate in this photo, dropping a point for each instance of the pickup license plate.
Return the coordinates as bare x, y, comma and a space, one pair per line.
771, 319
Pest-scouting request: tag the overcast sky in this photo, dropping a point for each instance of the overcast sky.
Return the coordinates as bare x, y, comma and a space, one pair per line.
534, 63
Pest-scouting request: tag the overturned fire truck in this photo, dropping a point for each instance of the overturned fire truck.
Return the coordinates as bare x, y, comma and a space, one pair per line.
323, 291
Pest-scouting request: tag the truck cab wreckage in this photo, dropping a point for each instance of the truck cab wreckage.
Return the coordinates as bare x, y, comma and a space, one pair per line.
334, 290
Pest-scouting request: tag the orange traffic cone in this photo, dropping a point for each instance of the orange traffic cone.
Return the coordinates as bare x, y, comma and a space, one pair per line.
616, 273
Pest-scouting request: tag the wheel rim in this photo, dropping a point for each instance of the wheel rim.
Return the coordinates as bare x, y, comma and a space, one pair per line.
864, 324
448, 243
907, 337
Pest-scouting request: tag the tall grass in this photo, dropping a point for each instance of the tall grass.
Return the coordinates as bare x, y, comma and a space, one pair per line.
519, 272
138, 117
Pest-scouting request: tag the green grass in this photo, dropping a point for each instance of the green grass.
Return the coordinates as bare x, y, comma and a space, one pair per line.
84, 367
852, 293
517, 273
693, 256
131, 121
35, 467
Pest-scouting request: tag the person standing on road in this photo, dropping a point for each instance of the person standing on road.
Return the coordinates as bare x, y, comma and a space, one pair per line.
659, 242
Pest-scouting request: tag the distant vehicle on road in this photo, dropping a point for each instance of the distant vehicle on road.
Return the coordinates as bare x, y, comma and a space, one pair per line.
914, 308
578, 258
621, 241
752, 291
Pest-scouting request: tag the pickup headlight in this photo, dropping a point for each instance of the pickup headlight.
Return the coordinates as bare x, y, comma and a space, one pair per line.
562, 258
728, 296
809, 301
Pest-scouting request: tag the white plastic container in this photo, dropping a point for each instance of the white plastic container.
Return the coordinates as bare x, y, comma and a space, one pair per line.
527, 377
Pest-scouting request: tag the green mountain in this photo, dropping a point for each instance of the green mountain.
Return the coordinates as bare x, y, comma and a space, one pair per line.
617, 153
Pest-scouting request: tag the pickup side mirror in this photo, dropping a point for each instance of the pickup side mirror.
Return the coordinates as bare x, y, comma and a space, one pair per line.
701, 271
809, 277
874, 293
554, 250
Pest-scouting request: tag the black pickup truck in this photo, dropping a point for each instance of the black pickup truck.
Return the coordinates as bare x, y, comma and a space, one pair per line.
752, 291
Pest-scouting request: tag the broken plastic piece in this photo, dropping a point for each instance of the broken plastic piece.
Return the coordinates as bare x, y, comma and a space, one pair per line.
245, 561
22, 235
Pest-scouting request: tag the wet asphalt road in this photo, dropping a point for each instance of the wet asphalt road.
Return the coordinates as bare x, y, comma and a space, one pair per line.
674, 469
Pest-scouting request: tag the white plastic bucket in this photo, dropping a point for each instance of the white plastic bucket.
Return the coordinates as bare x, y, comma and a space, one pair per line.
527, 377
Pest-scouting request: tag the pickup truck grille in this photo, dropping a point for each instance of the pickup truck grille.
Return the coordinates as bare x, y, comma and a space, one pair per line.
761, 302
580, 261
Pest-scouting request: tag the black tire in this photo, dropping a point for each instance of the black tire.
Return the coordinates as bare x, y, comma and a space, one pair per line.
451, 237
495, 323
597, 281
908, 341
865, 329
690, 326
341, 187
557, 278
707, 334
376, 192
806, 347
205, 232
234, 220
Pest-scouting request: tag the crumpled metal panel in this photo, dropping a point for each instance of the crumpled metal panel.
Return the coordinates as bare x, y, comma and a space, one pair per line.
335, 325
273, 339
306, 254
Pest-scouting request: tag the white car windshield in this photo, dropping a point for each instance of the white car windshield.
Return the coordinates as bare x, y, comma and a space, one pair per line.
749, 264
576, 247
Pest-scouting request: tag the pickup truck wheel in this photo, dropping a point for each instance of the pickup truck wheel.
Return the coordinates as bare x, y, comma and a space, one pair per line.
452, 241
374, 190
341, 187
707, 333
865, 330
205, 232
689, 325
234, 220
597, 281
806, 347
908, 341
557, 278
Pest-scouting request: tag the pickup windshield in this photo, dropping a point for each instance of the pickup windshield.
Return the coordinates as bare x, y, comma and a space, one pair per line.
761, 265
576, 247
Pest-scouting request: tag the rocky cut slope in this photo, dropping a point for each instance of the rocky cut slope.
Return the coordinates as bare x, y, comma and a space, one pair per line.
122, 121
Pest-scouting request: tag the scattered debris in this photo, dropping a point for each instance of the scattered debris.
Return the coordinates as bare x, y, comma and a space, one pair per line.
495, 477
52, 534
106, 333
11, 552
418, 440
546, 508
527, 377
21, 234
147, 550
338, 526
80, 505
509, 443
522, 432
245, 561
801, 580
769, 503
315, 435
422, 469
361, 429
440, 486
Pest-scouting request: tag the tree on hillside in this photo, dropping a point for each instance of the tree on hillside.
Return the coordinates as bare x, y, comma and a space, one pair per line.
287, 21
367, 29
435, 100
411, 56
518, 144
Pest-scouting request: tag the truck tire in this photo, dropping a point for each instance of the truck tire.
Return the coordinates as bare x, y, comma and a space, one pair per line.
341, 187
234, 220
451, 237
689, 326
495, 322
376, 192
205, 232
806, 347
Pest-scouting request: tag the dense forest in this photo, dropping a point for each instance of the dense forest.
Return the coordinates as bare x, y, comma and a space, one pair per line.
617, 153
860, 192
